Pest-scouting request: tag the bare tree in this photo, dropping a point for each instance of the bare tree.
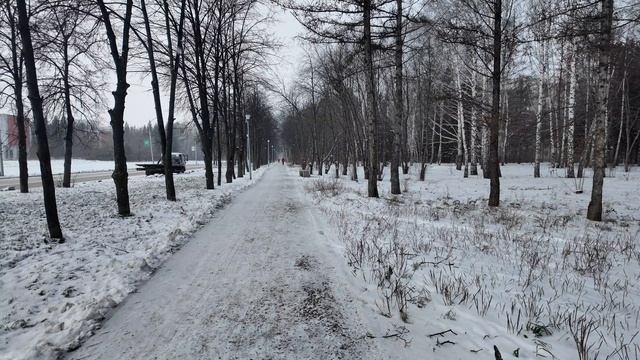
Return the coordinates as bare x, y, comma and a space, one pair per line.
69, 40
594, 211
120, 60
48, 187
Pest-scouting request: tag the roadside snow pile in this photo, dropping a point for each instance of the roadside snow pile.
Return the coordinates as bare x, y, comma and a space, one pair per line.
11, 167
454, 277
52, 296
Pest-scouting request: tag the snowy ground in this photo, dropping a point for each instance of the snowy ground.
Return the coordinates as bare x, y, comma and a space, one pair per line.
52, 296
453, 277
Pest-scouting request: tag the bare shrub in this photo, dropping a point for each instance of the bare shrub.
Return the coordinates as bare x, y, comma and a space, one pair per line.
453, 289
624, 350
325, 187
581, 328
508, 217
592, 256
375, 246
548, 221
482, 301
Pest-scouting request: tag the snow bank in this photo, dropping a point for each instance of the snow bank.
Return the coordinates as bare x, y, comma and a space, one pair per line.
52, 296
526, 277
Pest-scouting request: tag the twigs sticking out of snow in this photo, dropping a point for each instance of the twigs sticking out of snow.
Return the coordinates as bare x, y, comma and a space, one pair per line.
399, 333
441, 333
375, 248
581, 329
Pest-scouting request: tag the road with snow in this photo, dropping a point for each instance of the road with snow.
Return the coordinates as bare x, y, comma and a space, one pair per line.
260, 281
76, 177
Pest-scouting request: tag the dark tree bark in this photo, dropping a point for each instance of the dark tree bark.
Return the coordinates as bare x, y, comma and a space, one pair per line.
398, 105
494, 124
48, 187
372, 116
174, 63
68, 138
120, 59
216, 93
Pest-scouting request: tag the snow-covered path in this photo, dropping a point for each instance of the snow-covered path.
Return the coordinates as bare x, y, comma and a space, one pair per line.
259, 281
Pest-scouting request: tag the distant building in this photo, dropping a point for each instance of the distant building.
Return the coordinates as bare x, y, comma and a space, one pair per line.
9, 137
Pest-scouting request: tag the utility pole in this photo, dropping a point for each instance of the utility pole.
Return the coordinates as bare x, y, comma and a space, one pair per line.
247, 118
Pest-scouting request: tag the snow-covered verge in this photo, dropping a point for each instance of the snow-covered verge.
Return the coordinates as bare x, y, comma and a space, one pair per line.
11, 167
53, 296
443, 273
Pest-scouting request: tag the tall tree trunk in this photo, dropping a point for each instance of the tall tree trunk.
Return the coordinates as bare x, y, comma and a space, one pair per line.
552, 141
538, 153
440, 132
571, 114
398, 105
505, 140
16, 73
587, 133
433, 135
174, 63
462, 153
68, 137
594, 211
372, 116
166, 144
216, 102
474, 128
206, 133
485, 137
494, 125
460, 118
48, 187
615, 157
120, 175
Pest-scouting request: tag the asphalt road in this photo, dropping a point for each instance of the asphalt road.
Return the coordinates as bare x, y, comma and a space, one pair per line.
35, 181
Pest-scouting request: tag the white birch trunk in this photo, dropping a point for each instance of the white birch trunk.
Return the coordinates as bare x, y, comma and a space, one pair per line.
615, 157
536, 166
460, 108
474, 128
571, 114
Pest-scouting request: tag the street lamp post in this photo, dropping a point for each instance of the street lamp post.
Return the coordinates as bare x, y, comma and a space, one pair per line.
268, 152
247, 118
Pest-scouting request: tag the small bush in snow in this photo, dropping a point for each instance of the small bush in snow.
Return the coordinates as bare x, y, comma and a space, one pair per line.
328, 187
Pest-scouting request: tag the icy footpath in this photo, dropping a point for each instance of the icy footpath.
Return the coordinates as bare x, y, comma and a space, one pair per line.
54, 296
